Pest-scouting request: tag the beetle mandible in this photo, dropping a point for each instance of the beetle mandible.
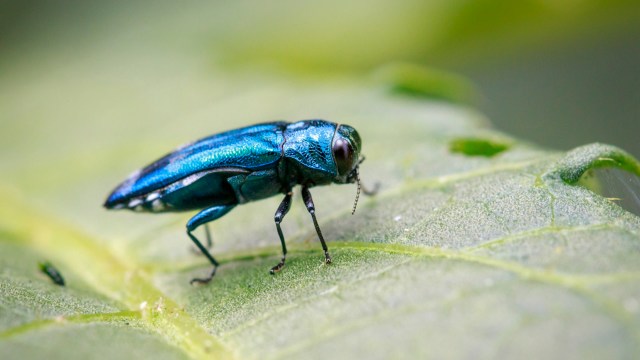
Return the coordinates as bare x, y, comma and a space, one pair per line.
221, 171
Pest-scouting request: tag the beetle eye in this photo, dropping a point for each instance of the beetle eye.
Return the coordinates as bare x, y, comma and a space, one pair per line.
343, 153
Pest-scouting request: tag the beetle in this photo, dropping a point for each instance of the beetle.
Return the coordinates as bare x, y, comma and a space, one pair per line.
219, 172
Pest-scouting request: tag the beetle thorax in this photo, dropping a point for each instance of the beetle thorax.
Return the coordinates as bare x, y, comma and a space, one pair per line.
307, 151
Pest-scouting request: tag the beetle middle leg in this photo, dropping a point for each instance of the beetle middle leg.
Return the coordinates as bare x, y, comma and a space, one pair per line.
308, 201
283, 209
201, 218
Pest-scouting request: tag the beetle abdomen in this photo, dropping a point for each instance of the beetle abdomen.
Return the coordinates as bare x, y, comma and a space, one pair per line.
230, 153
206, 188
257, 154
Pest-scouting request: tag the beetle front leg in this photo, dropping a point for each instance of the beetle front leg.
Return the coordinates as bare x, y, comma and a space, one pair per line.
308, 201
283, 209
201, 218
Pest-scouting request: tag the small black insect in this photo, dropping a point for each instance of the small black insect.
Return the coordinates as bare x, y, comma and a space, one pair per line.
48, 269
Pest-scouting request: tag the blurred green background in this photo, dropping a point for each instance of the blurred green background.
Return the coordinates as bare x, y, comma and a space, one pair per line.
559, 73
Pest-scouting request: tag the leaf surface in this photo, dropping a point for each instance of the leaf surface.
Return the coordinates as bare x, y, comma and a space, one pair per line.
478, 245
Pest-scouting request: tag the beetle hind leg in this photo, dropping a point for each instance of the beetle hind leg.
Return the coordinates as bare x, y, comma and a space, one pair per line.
283, 209
209, 242
208, 234
201, 218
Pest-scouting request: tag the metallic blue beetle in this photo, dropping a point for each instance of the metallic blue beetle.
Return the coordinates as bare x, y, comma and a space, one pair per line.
251, 163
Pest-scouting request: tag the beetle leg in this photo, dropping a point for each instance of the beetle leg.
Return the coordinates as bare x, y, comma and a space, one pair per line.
207, 233
308, 201
201, 218
283, 209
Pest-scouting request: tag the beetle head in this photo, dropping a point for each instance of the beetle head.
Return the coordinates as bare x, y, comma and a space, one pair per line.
345, 148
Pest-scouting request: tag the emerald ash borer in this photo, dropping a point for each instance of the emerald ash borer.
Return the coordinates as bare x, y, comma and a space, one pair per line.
219, 172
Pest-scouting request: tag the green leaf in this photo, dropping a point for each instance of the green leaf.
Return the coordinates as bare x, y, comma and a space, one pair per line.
459, 256
501, 252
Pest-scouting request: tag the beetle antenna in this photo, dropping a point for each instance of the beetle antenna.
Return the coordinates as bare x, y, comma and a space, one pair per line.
355, 203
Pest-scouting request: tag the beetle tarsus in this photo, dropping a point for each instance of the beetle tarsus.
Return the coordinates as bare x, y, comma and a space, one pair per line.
278, 267
327, 258
203, 281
